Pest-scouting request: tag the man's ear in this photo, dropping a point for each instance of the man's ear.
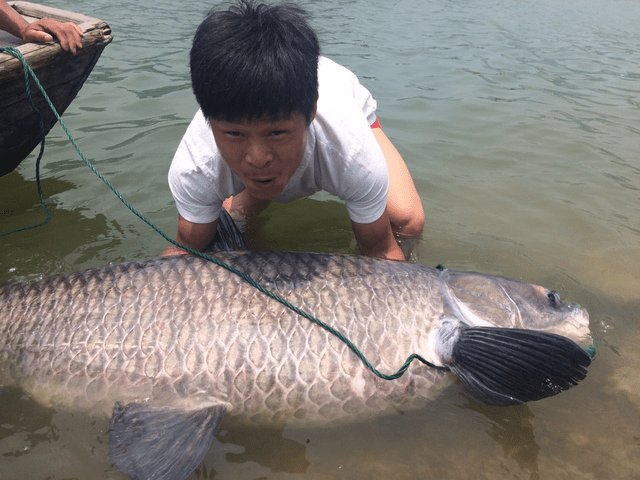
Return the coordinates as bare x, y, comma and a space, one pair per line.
315, 109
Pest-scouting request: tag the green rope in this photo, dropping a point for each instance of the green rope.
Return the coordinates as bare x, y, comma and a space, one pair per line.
27, 71
230, 268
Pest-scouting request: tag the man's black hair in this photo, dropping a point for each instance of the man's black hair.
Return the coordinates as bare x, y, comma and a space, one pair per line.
255, 61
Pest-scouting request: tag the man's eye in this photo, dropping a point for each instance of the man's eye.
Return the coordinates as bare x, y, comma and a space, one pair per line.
277, 133
233, 134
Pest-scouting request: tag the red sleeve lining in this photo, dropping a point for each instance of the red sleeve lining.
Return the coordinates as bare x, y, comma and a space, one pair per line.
376, 124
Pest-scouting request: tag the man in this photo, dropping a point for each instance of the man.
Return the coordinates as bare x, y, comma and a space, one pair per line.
278, 122
68, 34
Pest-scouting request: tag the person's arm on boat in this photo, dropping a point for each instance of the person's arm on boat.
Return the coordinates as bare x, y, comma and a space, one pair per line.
68, 34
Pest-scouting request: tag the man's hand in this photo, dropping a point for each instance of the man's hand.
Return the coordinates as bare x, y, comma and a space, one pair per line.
68, 34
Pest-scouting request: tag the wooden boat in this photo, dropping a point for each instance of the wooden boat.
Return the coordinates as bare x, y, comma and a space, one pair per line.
60, 73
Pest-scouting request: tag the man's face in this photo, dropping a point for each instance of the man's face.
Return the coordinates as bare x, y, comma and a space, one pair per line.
264, 154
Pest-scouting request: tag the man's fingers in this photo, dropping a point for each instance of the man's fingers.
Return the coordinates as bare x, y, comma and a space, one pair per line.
78, 29
34, 35
68, 34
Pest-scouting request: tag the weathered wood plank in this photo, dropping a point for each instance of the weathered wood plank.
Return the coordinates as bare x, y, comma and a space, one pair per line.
35, 11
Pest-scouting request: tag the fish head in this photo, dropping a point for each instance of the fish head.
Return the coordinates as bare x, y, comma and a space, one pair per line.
486, 300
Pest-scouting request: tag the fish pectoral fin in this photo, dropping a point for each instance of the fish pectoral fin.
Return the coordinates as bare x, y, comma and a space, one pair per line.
159, 443
508, 366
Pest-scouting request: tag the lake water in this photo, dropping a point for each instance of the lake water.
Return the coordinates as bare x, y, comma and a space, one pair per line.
520, 122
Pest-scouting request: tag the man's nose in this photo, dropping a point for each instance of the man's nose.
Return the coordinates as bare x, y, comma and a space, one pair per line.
258, 154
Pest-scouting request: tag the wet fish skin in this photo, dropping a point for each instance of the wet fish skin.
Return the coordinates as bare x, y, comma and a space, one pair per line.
185, 332
180, 334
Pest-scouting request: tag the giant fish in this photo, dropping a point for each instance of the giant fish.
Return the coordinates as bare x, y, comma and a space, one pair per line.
169, 346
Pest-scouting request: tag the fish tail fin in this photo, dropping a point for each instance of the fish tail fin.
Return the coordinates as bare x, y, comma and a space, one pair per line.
229, 237
507, 366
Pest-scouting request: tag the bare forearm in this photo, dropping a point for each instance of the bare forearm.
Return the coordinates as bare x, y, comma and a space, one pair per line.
42, 30
377, 240
11, 21
193, 235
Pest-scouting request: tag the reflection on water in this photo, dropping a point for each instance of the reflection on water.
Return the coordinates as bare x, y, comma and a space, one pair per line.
519, 122
513, 430
267, 447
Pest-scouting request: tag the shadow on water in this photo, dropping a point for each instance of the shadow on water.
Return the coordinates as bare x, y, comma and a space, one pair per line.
19, 205
31, 422
253, 452
513, 430
321, 226
72, 240
267, 447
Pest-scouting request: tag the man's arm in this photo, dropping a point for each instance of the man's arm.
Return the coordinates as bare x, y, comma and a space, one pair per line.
403, 203
376, 239
68, 34
10, 20
193, 235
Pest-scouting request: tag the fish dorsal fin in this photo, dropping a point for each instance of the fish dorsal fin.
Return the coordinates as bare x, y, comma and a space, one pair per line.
228, 236
168, 444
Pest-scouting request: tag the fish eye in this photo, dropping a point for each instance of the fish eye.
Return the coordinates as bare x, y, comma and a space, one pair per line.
554, 297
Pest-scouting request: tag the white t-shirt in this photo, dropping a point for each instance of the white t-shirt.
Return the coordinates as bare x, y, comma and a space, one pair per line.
341, 157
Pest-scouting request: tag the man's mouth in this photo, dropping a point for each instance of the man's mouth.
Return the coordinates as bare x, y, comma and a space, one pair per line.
263, 182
